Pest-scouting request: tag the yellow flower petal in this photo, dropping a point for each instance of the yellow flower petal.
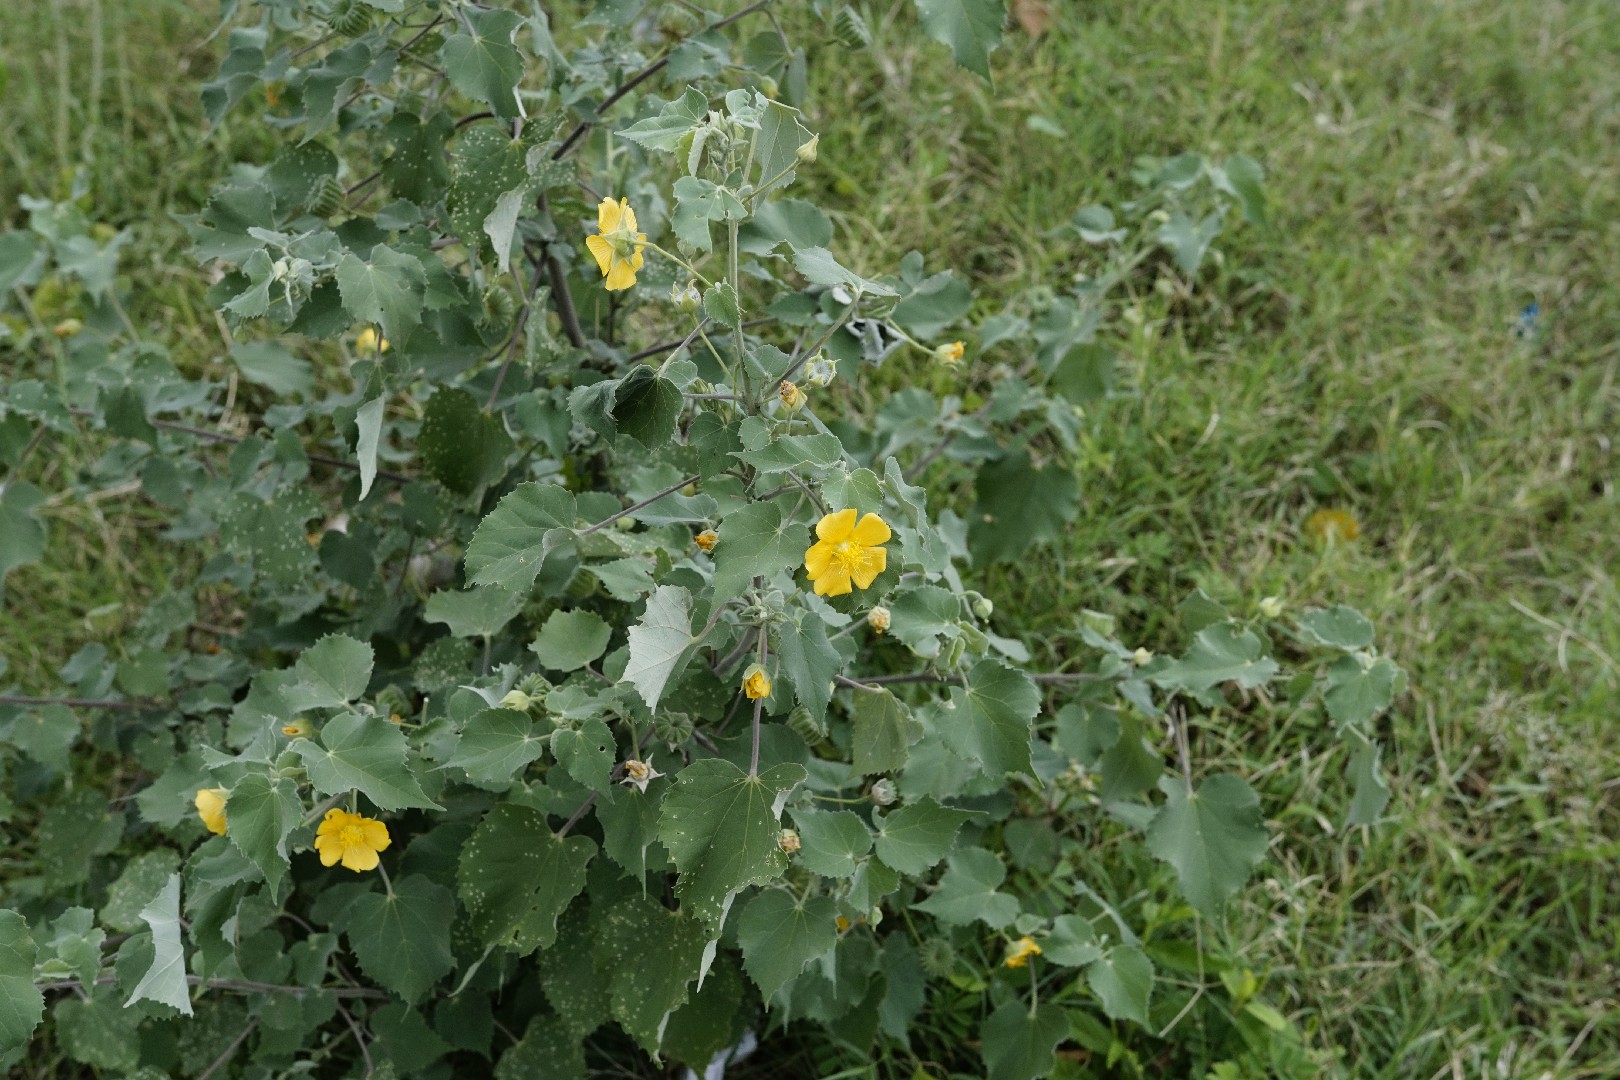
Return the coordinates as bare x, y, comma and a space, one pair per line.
835, 582
376, 833
621, 276
210, 804
602, 250
872, 531
607, 215
329, 852
872, 563
836, 528
360, 859
817, 558
628, 221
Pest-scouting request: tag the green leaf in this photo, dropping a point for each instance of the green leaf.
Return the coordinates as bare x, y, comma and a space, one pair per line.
333, 671
488, 165
967, 892
483, 63
267, 364
548, 1048
786, 452
477, 612
991, 724
22, 1006
659, 641
799, 223
390, 289
809, 660
831, 843
1357, 692
1020, 1044
820, 268
165, 981
1337, 627
497, 744
571, 639
1243, 178
515, 872
720, 302
934, 305
1220, 653
142, 878
462, 445
1123, 982
1372, 792
780, 934
646, 407
402, 937
364, 753
96, 1031
1020, 506
673, 122
653, 954
920, 616
1072, 942
918, 835
721, 827
514, 539
706, 1025
1189, 240
1212, 837
884, 730
971, 29
271, 533
587, 753
755, 541
22, 535
368, 433
260, 814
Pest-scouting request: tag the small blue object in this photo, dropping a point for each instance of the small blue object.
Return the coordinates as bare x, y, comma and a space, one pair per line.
1527, 320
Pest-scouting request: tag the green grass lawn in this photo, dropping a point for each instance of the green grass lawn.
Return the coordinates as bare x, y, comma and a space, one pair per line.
1432, 168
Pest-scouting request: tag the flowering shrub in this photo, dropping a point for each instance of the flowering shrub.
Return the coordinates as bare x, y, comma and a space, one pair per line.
515, 708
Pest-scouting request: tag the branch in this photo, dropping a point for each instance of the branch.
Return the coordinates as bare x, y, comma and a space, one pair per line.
79, 703
642, 76
557, 273
648, 501
242, 985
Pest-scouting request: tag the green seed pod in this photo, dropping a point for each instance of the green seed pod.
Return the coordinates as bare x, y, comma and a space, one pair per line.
582, 586
325, 197
349, 17
937, 957
672, 728
499, 306
806, 726
850, 29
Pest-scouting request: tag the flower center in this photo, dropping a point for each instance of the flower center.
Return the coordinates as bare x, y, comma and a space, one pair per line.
849, 555
352, 836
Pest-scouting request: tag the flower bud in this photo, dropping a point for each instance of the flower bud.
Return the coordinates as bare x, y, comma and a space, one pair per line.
1142, 657
638, 774
792, 397
950, 354
878, 619
296, 728
820, 369
1271, 607
686, 298
706, 539
807, 152
756, 684
67, 328
983, 607
517, 701
788, 841
883, 792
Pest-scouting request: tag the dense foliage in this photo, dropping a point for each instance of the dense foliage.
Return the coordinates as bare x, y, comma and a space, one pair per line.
584, 657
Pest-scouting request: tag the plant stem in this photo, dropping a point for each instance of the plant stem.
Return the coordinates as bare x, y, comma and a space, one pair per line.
648, 501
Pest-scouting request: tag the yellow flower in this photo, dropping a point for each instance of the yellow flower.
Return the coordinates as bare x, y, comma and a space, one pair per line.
950, 355
296, 729
618, 247
792, 397
843, 924
370, 343
210, 803
847, 551
756, 684
1332, 526
352, 838
1019, 952
707, 539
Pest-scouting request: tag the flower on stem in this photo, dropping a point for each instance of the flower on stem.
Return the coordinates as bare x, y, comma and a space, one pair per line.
792, 397
210, 804
847, 551
370, 343
296, 728
1019, 952
619, 246
517, 701
950, 354
638, 774
820, 370
352, 839
1332, 526
878, 619
756, 684
707, 539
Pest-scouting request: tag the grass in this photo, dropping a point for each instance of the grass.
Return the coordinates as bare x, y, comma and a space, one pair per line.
1433, 167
